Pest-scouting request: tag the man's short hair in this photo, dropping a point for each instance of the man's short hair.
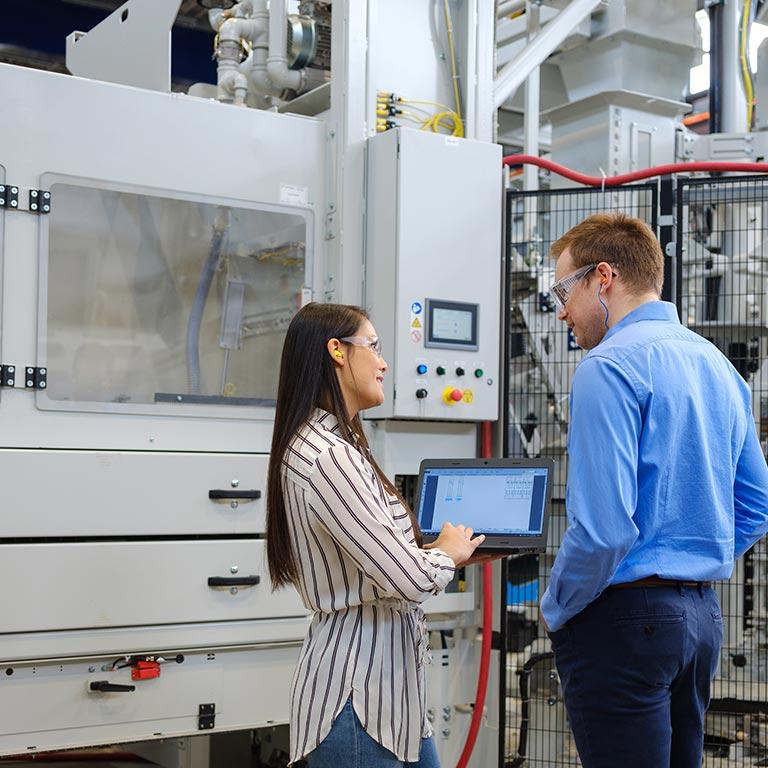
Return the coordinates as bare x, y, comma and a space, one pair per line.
619, 239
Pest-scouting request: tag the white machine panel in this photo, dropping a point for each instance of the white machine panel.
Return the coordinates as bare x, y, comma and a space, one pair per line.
49, 705
141, 169
119, 493
433, 273
154, 296
122, 584
2, 250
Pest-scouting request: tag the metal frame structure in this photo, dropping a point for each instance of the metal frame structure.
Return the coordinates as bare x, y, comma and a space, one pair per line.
722, 294
717, 247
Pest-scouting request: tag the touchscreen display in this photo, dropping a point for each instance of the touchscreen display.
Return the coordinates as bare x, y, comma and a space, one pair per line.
452, 324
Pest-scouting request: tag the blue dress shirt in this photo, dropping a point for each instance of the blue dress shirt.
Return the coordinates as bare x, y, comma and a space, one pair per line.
666, 475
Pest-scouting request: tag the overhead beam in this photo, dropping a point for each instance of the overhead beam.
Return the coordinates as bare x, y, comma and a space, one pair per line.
516, 72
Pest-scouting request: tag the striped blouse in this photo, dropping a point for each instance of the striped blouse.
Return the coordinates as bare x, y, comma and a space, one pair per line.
364, 577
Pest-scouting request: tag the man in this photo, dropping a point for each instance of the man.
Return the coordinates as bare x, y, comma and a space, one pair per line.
667, 486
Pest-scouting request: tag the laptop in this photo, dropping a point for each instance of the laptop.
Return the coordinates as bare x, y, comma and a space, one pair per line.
506, 499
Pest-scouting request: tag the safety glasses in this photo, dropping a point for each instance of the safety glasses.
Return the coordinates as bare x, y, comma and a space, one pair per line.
562, 289
373, 344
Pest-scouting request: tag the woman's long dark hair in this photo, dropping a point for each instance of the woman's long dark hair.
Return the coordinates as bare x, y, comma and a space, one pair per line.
308, 381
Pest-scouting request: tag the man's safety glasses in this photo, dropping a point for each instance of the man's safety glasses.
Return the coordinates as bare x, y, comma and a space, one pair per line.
562, 289
364, 341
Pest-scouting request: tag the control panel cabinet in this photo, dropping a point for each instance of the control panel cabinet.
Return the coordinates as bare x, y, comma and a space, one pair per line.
433, 273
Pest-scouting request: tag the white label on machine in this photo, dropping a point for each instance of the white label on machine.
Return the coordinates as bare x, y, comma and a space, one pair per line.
293, 195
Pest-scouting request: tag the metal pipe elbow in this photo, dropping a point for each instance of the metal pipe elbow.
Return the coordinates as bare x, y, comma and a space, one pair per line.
280, 75
237, 29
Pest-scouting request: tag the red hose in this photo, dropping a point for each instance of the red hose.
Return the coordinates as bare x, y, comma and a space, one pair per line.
485, 650
626, 178
485, 658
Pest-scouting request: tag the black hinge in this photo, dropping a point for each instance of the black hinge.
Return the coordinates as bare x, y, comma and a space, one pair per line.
206, 717
35, 378
9, 196
7, 375
39, 201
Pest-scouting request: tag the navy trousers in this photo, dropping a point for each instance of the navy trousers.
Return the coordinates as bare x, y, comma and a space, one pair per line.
635, 668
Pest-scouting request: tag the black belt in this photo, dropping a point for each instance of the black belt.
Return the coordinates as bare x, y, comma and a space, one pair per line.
656, 581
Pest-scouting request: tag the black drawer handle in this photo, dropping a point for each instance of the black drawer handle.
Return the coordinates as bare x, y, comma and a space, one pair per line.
104, 686
233, 581
234, 495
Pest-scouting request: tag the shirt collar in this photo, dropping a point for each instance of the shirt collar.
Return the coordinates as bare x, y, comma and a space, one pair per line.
325, 420
328, 421
650, 310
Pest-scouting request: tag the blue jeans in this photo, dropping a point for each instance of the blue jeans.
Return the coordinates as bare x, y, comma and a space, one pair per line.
348, 746
635, 668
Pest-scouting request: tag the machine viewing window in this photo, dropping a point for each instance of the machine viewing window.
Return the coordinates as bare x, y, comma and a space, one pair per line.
451, 325
148, 301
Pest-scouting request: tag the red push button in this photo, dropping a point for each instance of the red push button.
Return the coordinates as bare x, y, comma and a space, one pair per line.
456, 395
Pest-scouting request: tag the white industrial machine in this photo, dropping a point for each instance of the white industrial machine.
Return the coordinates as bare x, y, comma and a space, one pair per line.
142, 317
154, 247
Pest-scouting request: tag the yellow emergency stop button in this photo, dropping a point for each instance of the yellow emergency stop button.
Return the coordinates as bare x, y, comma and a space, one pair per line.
451, 395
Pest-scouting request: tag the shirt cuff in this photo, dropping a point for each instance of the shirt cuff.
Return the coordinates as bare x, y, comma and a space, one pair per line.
444, 567
553, 614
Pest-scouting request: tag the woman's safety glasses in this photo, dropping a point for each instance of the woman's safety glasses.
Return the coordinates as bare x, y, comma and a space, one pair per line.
364, 341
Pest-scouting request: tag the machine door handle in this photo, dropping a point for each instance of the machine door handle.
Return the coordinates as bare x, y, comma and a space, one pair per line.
233, 581
104, 686
236, 495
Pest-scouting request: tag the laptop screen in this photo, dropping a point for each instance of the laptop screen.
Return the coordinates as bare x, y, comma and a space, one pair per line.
507, 503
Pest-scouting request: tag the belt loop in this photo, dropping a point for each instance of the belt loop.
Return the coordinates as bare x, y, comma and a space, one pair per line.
700, 585
679, 585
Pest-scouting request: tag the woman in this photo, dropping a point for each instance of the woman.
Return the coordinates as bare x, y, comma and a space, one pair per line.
338, 531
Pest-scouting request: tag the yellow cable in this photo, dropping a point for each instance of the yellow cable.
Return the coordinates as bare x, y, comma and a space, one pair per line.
459, 126
745, 73
424, 101
434, 121
411, 116
445, 120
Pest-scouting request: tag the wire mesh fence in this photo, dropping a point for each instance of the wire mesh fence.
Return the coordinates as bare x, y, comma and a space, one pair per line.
720, 285
722, 294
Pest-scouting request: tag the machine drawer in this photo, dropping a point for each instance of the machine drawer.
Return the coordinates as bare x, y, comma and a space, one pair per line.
124, 584
52, 706
50, 493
